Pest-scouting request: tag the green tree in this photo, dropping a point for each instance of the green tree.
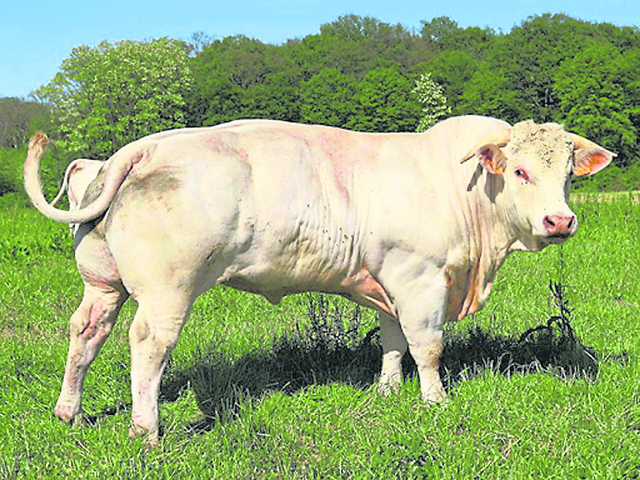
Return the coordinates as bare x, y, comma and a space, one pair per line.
356, 45
444, 34
385, 103
629, 78
109, 95
328, 98
18, 119
593, 101
240, 77
434, 103
488, 93
529, 55
453, 70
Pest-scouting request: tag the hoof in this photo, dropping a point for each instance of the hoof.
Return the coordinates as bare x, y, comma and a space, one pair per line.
435, 397
65, 416
150, 439
386, 389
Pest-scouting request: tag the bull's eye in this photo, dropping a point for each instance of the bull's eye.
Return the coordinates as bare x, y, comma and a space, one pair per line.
521, 174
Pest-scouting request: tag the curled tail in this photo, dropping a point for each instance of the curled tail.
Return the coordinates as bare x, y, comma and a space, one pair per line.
115, 175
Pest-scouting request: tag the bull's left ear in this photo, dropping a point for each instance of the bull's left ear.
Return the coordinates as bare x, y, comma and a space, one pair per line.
487, 151
589, 157
492, 159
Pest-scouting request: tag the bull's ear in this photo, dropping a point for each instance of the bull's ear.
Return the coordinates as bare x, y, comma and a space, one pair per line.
492, 159
487, 151
589, 157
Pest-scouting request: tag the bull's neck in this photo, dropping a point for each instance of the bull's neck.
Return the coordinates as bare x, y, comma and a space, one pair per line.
488, 236
491, 213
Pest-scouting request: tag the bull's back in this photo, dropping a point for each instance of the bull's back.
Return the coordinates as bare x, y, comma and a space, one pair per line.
279, 203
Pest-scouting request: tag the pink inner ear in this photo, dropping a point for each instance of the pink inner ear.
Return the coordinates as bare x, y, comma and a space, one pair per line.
491, 158
591, 160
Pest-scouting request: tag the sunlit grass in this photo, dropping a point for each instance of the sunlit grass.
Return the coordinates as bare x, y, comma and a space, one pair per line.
236, 405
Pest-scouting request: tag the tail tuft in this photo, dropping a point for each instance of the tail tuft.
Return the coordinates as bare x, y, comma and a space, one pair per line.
38, 143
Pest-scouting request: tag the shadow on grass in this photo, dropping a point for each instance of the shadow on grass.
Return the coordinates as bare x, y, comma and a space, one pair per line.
332, 349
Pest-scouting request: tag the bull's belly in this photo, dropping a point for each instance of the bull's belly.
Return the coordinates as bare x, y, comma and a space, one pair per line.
361, 286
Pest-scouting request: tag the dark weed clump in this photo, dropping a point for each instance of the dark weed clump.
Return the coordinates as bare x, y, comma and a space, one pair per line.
332, 347
552, 345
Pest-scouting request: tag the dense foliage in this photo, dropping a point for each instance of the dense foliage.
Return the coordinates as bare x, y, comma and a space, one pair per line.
19, 119
110, 95
358, 73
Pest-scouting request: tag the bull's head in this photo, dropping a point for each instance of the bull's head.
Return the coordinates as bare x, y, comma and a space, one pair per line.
534, 163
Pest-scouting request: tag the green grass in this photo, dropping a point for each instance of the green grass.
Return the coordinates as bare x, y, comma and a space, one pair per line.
257, 391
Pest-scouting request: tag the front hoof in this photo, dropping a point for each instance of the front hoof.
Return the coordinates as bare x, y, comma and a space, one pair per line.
387, 388
150, 438
68, 416
435, 396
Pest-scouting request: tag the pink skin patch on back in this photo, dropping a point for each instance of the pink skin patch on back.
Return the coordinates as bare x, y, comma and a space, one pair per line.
243, 154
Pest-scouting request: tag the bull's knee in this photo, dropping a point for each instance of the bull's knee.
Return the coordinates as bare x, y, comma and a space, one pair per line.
427, 358
160, 340
92, 320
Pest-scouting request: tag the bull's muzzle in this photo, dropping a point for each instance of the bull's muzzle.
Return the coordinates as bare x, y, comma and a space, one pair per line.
559, 226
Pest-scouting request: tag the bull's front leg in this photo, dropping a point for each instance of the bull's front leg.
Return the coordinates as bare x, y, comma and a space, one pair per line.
394, 346
425, 345
421, 312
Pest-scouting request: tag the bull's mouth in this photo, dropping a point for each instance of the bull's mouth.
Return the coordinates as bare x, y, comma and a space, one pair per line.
534, 241
557, 238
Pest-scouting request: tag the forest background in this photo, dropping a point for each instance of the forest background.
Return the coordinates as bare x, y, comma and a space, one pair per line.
357, 73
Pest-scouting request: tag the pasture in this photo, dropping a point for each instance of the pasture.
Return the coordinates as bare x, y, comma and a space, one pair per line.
257, 391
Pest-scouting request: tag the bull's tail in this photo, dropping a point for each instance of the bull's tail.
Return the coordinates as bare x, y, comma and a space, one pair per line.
113, 179
63, 188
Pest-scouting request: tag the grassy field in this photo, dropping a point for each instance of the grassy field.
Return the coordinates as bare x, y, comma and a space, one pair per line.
256, 391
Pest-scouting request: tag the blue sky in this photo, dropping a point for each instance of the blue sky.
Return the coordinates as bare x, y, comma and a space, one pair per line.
36, 36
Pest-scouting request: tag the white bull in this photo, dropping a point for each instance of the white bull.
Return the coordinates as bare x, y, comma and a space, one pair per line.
397, 222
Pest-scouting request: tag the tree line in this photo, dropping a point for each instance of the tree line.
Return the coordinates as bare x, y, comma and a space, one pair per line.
357, 73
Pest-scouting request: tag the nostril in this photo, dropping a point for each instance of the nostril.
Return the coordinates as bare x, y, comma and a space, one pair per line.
571, 222
548, 222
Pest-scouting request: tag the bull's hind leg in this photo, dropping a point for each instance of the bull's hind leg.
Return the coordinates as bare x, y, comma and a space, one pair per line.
90, 326
152, 337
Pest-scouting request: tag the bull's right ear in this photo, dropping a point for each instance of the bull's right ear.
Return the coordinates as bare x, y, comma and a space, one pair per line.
490, 157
